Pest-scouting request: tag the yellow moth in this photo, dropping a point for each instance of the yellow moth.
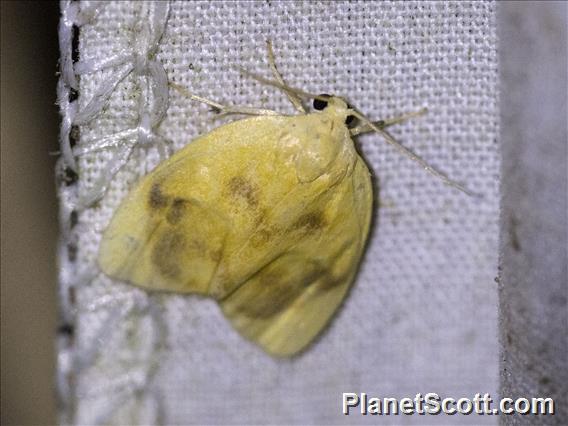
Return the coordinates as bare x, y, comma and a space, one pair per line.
267, 215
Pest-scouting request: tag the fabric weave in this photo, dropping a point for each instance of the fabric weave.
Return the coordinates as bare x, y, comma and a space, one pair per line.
422, 314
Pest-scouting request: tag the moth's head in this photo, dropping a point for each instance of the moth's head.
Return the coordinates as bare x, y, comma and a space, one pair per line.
336, 107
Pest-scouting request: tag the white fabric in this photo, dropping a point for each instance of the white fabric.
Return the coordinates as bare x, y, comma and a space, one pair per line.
422, 315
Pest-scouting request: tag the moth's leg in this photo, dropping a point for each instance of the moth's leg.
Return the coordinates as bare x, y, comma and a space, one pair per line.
382, 124
290, 95
223, 109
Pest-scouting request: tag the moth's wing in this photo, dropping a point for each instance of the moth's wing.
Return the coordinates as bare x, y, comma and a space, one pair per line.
286, 304
175, 227
278, 255
175, 248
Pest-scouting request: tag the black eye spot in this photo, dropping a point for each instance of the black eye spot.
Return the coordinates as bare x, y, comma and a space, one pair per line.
320, 104
350, 119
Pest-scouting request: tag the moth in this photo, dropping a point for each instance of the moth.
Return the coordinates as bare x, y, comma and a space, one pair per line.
268, 215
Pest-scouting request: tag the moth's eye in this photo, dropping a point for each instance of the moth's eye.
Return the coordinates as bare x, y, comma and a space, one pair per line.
350, 119
320, 104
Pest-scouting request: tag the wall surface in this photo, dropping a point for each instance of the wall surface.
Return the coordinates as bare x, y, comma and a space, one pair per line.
29, 135
534, 282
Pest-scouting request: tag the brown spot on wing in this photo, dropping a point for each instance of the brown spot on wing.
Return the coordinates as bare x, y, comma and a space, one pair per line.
166, 254
157, 199
277, 286
261, 215
177, 211
330, 281
310, 222
216, 255
260, 238
240, 187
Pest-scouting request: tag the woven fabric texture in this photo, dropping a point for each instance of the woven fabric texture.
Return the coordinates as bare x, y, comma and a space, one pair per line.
422, 314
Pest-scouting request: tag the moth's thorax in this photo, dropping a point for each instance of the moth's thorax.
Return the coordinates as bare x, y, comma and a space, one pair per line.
337, 108
319, 144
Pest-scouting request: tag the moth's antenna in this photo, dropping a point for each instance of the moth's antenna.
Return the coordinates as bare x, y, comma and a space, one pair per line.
381, 124
220, 108
292, 97
408, 153
285, 87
